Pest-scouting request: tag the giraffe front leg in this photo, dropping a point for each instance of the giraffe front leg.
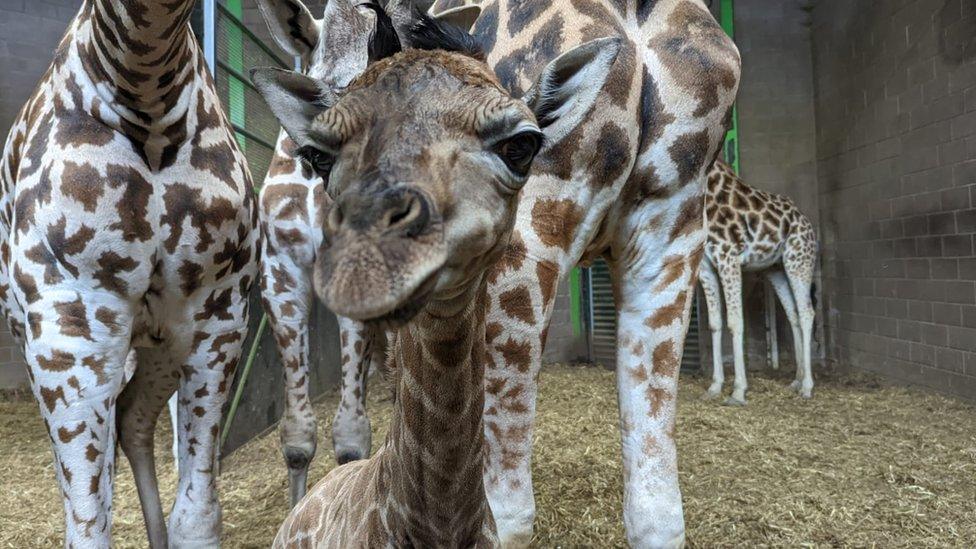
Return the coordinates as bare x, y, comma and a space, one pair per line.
518, 314
213, 350
287, 298
713, 300
351, 433
174, 422
730, 273
139, 406
76, 350
654, 304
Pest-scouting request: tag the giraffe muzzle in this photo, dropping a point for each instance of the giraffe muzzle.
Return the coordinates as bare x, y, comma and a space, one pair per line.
384, 249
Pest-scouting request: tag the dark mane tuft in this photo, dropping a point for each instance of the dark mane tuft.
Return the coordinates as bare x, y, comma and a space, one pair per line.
385, 42
427, 33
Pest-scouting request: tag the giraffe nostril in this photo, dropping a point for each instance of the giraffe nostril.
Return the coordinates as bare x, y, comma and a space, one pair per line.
334, 220
403, 214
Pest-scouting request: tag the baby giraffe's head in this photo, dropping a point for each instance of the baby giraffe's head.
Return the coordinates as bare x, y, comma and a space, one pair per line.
424, 155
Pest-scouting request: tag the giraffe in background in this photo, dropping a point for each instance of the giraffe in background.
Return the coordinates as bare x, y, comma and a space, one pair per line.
752, 230
128, 247
427, 153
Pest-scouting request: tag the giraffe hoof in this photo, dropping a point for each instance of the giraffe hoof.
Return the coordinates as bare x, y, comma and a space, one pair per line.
710, 395
732, 401
795, 386
345, 457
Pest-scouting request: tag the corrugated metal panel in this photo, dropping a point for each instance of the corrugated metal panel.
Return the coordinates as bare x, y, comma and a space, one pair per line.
602, 323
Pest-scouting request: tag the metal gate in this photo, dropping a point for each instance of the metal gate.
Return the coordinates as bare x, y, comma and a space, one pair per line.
603, 322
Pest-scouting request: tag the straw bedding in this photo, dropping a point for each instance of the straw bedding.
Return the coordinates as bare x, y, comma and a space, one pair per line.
859, 465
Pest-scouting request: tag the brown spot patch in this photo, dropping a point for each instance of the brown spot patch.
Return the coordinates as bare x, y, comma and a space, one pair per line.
52, 396
73, 318
517, 303
110, 264
547, 272
665, 359
511, 259
60, 361
689, 217
82, 183
688, 152
517, 354
667, 314
657, 398
66, 435
556, 221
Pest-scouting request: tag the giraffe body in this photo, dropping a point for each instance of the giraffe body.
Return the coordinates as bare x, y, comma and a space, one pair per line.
752, 230
128, 239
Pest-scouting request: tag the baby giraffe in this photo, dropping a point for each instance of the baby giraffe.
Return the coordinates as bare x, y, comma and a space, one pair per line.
425, 154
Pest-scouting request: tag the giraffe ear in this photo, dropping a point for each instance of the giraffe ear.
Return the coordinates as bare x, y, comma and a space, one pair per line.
291, 25
461, 16
569, 85
294, 98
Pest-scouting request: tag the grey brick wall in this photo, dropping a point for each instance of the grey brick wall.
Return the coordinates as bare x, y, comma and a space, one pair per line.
896, 155
29, 32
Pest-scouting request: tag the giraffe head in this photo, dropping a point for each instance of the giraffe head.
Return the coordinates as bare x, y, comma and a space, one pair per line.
424, 155
336, 48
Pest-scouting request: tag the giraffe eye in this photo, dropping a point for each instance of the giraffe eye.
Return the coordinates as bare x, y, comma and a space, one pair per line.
519, 151
320, 161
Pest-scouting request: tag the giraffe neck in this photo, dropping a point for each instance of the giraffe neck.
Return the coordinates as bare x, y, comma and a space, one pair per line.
140, 52
435, 467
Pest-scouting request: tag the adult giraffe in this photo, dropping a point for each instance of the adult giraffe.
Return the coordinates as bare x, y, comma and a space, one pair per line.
628, 185
128, 246
753, 230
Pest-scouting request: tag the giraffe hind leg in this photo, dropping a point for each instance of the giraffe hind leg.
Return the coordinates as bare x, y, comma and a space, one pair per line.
799, 271
139, 407
781, 285
77, 369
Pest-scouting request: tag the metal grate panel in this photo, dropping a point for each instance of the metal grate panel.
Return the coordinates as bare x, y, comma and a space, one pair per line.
603, 322
237, 50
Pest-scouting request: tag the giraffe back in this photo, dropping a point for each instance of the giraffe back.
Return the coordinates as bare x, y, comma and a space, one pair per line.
755, 225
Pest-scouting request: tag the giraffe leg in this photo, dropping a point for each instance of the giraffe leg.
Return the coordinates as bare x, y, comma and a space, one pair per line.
713, 299
772, 330
139, 406
514, 358
800, 275
730, 272
76, 351
781, 285
351, 434
171, 404
207, 373
287, 302
654, 303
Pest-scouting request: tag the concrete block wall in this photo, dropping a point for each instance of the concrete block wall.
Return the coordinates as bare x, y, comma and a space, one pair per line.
896, 155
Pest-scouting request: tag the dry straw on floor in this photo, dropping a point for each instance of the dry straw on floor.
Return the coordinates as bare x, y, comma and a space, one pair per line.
856, 466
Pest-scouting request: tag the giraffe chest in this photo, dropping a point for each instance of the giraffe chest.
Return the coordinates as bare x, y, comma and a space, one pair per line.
169, 242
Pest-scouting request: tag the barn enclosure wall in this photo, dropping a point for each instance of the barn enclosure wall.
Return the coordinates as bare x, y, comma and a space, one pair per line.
896, 163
